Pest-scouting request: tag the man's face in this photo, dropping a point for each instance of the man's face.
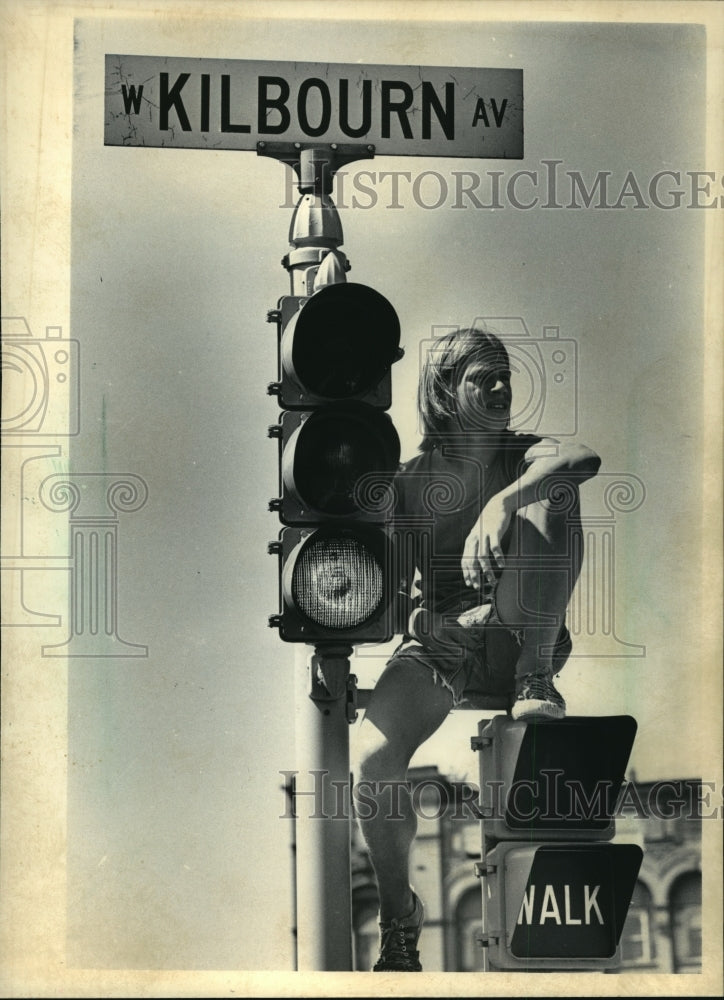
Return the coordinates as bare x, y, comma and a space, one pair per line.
484, 396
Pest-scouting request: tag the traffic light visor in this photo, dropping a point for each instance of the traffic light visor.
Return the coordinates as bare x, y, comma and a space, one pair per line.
554, 779
342, 341
336, 579
339, 458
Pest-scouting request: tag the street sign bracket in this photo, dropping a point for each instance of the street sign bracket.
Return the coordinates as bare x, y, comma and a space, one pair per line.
315, 164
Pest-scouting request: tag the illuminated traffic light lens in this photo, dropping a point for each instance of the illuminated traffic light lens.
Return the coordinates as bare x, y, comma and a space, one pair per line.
345, 339
341, 457
338, 582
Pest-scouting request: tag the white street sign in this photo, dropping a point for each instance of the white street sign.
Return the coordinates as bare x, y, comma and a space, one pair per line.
236, 104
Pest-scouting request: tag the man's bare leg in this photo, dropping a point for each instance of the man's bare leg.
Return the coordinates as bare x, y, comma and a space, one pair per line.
543, 562
405, 708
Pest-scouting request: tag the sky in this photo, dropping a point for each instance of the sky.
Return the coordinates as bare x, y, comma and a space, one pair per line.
174, 759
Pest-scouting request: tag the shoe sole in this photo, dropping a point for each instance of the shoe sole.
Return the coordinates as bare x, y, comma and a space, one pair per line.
537, 709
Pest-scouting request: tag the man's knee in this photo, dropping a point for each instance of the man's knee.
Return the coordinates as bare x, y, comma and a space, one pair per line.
554, 521
379, 758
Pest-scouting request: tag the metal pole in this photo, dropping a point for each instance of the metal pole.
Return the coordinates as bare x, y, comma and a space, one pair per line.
323, 682
323, 826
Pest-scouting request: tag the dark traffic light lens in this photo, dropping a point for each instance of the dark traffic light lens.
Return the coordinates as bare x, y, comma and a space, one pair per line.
343, 341
339, 458
594, 752
337, 582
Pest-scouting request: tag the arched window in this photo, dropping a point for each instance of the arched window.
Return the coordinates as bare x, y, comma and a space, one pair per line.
468, 927
685, 909
637, 941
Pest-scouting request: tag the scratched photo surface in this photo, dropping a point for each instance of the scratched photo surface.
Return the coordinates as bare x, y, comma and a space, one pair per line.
550, 180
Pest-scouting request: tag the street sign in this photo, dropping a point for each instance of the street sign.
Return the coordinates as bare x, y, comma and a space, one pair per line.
238, 103
558, 906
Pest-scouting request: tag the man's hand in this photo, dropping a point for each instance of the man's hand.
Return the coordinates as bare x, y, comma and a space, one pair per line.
438, 633
483, 546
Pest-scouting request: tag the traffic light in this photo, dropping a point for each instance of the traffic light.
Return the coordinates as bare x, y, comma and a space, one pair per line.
558, 906
337, 344
556, 890
338, 452
553, 780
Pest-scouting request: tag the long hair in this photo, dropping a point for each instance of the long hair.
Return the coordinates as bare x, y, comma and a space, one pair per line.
447, 358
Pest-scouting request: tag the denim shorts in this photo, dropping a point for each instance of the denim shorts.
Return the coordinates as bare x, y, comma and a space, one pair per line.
474, 663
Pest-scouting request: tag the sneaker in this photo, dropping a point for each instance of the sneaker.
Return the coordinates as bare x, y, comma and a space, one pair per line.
398, 948
536, 697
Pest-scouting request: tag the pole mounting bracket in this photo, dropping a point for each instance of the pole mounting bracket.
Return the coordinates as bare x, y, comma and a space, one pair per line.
352, 712
329, 674
314, 163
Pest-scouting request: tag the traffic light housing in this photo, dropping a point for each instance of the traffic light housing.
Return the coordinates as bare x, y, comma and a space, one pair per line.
335, 584
555, 889
553, 780
333, 461
338, 452
337, 344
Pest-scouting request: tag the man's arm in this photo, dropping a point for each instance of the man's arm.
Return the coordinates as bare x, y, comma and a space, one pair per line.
547, 463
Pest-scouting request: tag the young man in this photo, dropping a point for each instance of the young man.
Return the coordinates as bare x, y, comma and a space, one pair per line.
489, 522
